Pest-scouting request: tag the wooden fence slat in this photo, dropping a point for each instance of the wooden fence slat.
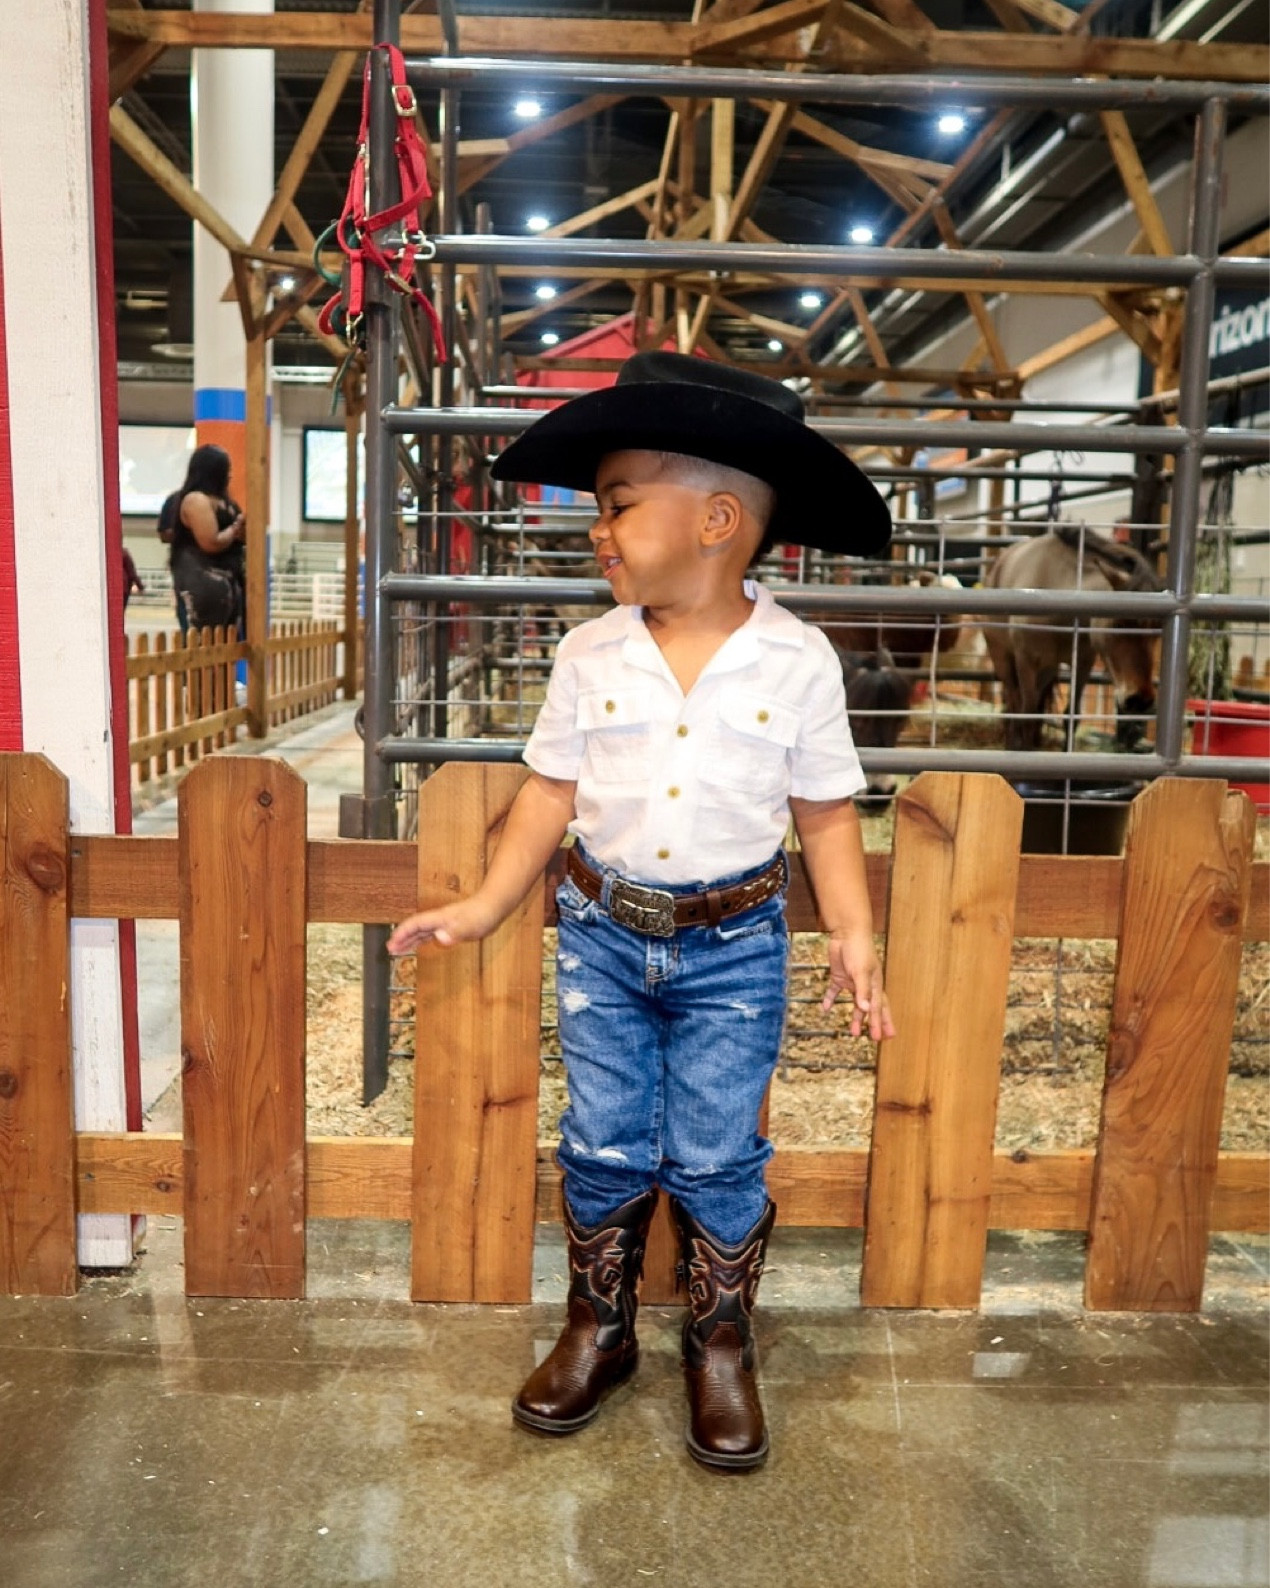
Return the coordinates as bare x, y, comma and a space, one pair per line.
476, 1067
37, 1162
179, 685
162, 683
954, 878
194, 688
219, 686
1187, 861
141, 729
241, 849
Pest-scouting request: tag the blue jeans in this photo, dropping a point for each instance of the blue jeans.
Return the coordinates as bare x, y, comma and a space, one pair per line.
669, 1044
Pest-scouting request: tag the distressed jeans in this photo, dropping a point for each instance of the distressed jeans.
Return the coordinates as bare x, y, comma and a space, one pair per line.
669, 1044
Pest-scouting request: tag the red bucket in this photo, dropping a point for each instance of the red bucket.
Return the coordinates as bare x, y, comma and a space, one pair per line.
1234, 727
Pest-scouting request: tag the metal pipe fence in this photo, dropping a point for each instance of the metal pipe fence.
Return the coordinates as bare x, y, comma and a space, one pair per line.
436, 642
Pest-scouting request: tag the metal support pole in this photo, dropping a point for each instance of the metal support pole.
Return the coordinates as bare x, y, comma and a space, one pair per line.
442, 538
1013, 92
1015, 438
997, 270
1192, 420
382, 335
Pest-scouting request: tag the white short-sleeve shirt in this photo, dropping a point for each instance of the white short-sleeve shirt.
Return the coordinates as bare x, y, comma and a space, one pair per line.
675, 788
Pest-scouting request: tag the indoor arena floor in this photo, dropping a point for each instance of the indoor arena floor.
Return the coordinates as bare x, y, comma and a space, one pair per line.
355, 1438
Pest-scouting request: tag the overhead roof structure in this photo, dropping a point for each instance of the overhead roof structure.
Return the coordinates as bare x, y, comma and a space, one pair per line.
628, 165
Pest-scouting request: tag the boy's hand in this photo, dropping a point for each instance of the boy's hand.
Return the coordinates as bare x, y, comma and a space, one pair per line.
452, 923
854, 967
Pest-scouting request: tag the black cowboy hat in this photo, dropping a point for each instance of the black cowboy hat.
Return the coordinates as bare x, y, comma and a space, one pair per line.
667, 402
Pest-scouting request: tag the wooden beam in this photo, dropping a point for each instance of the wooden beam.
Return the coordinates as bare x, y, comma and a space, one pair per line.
334, 345
727, 11
764, 156
1009, 16
1133, 326
897, 45
247, 292
904, 14
1065, 55
129, 64
598, 212
762, 322
975, 301
368, 1177
1253, 247
1132, 173
722, 149
573, 38
880, 165
1067, 348
178, 187
713, 38
287, 307
786, 368
523, 317
1059, 17
307, 140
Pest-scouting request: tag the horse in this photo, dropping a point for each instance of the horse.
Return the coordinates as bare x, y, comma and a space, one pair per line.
905, 638
1027, 652
878, 700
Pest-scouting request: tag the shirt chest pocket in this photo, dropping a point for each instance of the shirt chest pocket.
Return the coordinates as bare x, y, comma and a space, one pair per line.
618, 728
752, 740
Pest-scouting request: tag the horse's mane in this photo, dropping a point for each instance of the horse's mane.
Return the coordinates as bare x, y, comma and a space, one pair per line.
1109, 555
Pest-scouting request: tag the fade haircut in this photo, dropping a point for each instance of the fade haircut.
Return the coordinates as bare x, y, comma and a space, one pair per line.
701, 474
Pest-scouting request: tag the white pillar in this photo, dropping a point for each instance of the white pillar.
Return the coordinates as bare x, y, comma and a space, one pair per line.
59, 506
231, 121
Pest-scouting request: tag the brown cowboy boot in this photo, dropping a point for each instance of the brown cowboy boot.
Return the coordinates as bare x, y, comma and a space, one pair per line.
726, 1428
597, 1349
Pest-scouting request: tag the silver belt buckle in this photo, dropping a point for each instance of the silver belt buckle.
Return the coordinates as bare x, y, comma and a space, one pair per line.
650, 911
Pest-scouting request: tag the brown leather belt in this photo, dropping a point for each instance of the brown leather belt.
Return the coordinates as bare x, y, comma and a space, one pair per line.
656, 912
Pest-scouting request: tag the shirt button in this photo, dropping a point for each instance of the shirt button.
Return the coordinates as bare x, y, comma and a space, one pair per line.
762, 716
610, 705
682, 731
663, 854
673, 792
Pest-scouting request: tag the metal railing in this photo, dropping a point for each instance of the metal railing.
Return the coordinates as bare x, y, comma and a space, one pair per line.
1190, 442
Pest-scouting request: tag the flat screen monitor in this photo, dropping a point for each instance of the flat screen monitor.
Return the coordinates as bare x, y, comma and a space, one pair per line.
152, 464
326, 475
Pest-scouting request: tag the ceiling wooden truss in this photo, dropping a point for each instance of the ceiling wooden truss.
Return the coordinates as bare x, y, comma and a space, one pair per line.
1033, 37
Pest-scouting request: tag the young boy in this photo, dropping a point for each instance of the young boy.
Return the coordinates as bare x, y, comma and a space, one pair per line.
679, 733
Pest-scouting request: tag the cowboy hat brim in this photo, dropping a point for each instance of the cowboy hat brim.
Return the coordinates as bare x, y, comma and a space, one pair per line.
822, 499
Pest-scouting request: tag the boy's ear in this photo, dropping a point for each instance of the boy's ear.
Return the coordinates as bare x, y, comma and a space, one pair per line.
724, 519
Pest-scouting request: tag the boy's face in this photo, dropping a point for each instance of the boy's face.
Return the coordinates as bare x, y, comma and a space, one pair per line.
647, 537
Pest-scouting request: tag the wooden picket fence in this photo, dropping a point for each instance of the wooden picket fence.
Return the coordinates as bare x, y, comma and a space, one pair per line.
243, 881
182, 702
303, 671
182, 698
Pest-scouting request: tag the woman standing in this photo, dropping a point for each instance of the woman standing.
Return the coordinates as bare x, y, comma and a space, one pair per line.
207, 544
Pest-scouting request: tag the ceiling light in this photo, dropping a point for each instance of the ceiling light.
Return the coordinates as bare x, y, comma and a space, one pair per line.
549, 338
537, 223
286, 284
862, 234
951, 122
811, 300
545, 292
775, 346
527, 109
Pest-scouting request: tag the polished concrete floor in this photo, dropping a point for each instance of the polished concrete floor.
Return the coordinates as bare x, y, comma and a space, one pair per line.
155, 1441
